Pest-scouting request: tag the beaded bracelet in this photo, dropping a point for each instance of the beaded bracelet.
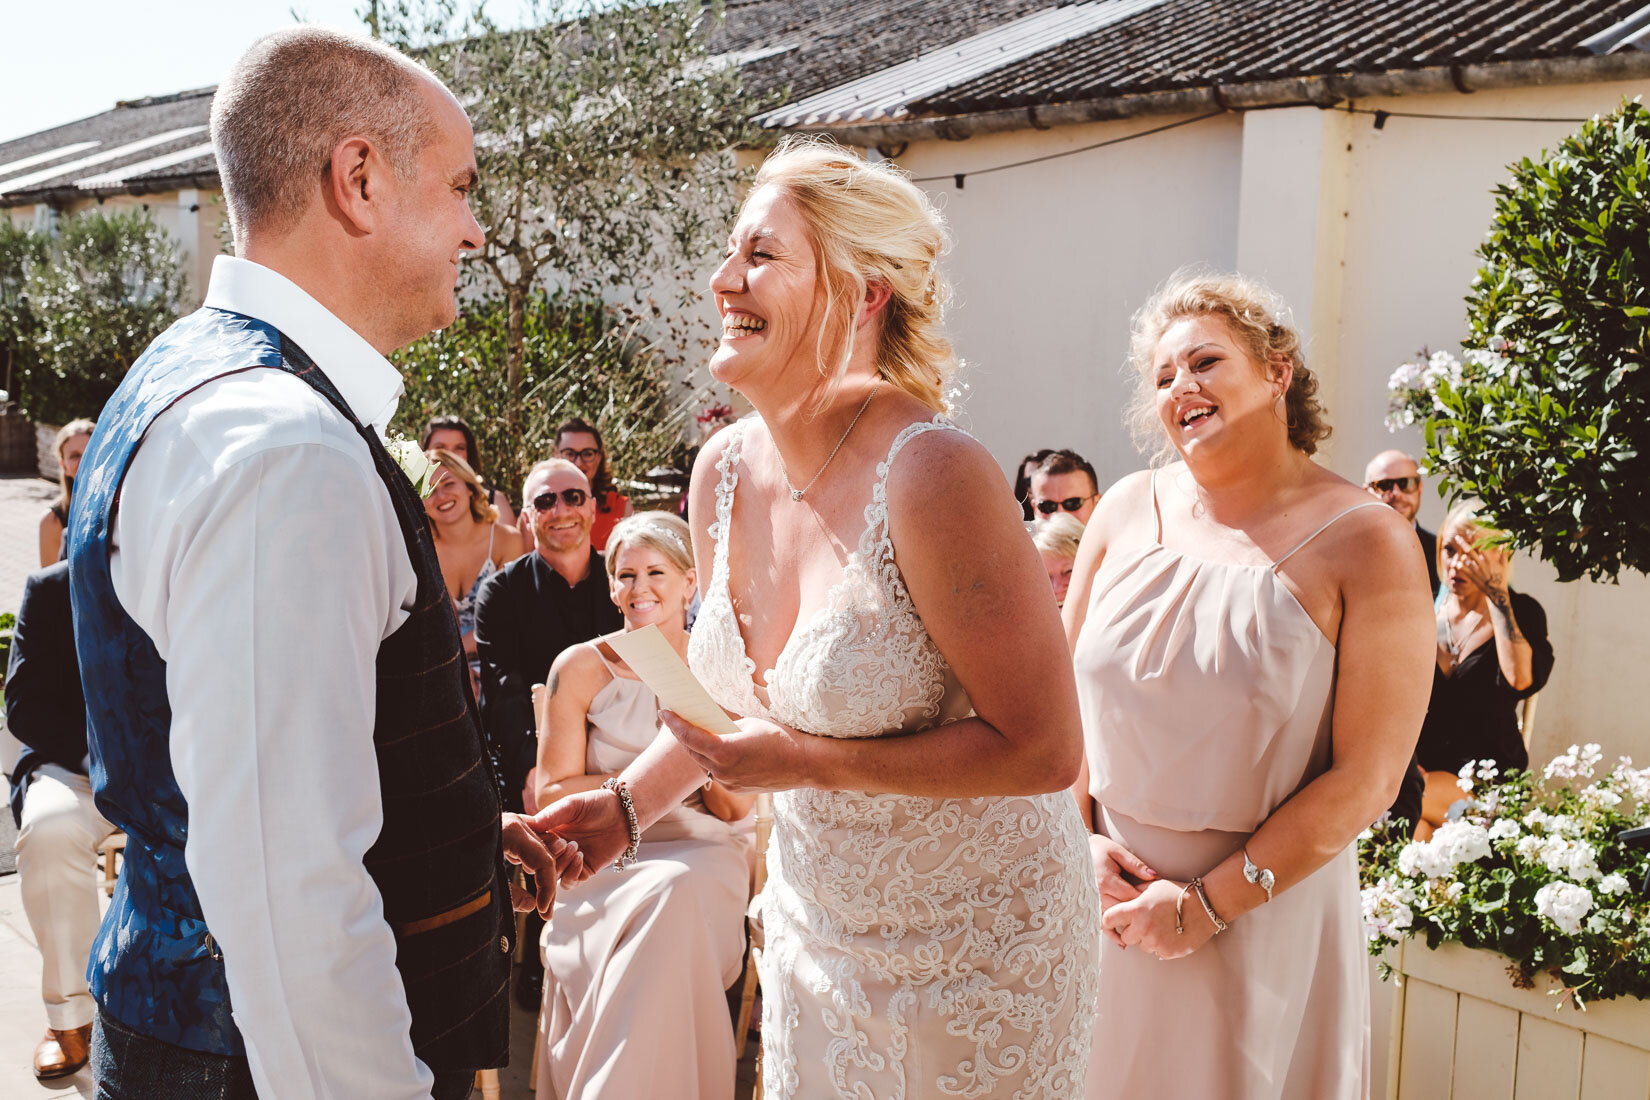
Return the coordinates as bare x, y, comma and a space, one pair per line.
616, 785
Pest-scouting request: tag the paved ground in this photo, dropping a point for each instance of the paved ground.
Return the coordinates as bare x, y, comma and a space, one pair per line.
22, 500
22, 1021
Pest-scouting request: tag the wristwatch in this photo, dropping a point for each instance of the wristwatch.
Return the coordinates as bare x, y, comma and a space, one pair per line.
1260, 876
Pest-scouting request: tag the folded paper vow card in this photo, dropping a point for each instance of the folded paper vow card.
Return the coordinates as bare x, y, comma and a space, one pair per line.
652, 659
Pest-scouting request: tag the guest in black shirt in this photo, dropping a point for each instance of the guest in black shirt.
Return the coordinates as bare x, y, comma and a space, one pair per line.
1492, 652
1395, 478
535, 607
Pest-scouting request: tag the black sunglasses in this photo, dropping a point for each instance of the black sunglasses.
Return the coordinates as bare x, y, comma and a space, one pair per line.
1070, 504
1402, 484
573, 454
573, 498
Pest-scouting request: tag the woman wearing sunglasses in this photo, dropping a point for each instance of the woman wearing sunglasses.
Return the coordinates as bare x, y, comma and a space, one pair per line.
1251, 636
875, 614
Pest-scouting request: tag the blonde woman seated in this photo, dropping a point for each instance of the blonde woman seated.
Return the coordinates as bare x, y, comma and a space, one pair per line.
636, 964
470, 541
1492, 652
1056, 539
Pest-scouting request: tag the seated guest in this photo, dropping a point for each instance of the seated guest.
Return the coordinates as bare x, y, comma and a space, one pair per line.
70, 445
453, 433
1022, 480
471, 541
649, 952
1064, 482
535, 607
1492, 652
1395, 478
580, 442
59, 827
1057, 540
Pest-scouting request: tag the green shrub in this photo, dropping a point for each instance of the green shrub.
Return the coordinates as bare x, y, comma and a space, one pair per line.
579, 360
21, 250
110, 284
1549, 422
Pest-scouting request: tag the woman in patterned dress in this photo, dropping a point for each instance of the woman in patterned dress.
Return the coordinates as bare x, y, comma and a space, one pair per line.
879, 621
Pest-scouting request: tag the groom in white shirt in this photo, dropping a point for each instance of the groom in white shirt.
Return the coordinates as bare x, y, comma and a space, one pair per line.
314, 901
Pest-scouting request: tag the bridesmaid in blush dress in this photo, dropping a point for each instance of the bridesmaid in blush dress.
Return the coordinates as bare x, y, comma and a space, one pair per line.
1252, 645
636, 963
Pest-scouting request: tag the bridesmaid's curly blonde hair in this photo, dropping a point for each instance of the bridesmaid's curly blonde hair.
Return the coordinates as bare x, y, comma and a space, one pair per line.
869, 223
1257, 318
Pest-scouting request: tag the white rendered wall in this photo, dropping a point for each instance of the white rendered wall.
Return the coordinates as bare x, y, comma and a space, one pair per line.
1052, 259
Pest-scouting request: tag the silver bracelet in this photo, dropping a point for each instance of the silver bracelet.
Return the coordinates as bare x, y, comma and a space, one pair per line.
628, 856
1260, 876
1214, 917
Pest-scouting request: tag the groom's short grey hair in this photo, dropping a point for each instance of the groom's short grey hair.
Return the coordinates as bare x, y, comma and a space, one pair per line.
291, 98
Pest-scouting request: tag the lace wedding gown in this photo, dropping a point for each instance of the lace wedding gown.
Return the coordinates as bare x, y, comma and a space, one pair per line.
916, 947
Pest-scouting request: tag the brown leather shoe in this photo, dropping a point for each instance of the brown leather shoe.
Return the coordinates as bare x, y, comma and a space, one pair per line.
61, 1053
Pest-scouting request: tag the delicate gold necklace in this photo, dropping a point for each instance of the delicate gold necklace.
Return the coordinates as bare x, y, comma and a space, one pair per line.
796, 494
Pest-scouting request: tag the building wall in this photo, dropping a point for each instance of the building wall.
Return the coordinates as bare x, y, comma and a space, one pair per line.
191, 216
1050, 260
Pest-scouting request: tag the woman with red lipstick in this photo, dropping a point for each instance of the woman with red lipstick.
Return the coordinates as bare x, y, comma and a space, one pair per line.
1492, 652
877, 618
1251, 639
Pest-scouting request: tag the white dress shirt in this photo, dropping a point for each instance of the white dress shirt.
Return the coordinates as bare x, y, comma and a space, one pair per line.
257, 546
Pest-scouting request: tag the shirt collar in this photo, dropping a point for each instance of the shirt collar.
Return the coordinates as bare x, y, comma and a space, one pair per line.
365, 379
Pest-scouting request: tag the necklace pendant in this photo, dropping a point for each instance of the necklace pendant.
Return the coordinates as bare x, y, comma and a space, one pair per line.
796, 494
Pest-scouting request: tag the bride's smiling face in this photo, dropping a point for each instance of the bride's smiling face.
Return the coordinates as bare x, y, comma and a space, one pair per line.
767, 292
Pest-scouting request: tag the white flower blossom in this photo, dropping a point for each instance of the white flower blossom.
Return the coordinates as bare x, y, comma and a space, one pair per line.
1386, 911
1454, 843
1564, 903
1613, 884
1600, 798
1635, 783
1504, 829
1578, 762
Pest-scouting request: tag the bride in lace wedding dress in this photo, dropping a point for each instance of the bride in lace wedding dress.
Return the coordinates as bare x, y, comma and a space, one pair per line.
878, 620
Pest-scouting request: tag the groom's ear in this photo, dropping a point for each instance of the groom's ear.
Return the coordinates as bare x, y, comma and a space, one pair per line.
355, 184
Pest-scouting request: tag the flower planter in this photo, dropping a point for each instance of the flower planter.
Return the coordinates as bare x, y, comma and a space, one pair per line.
1460, 1029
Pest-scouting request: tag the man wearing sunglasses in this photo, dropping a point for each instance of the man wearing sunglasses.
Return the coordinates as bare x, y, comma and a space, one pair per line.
1395, 478
1064, 483
535, 607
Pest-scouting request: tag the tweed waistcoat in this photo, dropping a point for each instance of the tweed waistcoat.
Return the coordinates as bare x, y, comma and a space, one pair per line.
437, 862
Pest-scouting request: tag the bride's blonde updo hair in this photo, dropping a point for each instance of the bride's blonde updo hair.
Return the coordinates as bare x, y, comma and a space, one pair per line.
869, 223
1257, 318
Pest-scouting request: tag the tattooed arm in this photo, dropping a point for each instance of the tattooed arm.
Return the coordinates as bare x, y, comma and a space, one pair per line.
1486, 567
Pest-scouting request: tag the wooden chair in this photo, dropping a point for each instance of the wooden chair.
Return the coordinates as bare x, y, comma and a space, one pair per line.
109, 850
753, 955
1526, 716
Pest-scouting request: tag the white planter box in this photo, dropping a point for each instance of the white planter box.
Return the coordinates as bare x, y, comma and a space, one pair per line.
1462, 1031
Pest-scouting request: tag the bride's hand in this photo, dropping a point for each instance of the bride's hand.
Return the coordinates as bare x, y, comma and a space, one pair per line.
591, 821
762, 756
1148, 921
1116, 872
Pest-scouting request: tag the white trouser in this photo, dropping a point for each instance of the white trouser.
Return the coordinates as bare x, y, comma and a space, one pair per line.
57, 866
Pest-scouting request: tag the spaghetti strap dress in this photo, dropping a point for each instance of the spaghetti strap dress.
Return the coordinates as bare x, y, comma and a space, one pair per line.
1207, 693
636, 963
